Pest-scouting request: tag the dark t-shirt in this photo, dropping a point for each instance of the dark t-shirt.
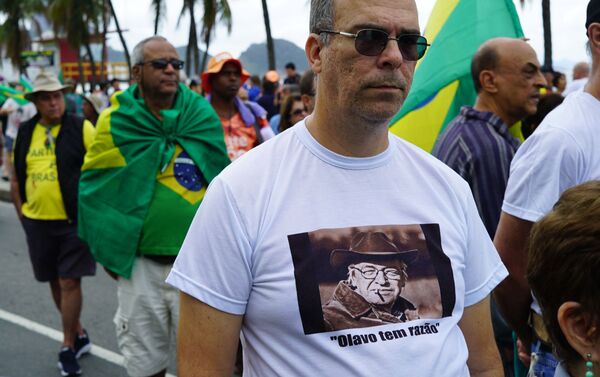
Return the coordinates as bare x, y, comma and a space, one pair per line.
267, 101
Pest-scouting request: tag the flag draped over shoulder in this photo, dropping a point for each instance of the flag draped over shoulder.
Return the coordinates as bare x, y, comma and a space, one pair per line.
119, 173
442, 82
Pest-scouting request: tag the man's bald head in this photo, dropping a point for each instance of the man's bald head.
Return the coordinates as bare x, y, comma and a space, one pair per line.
581, 70
492, 52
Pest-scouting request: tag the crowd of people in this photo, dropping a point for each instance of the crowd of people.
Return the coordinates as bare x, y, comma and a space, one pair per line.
277, 218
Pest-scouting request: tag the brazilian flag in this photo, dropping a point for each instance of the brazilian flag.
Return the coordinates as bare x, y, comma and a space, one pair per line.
8, 92
442, 82
123, 203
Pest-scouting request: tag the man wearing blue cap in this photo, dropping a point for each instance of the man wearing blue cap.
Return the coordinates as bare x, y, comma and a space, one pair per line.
560, 154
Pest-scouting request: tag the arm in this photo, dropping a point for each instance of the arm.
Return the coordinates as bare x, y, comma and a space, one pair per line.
207, 339
513, 295
476, 325
14, 192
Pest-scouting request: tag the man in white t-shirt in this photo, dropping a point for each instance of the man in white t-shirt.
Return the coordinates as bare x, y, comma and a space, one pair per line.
16, 114
561, 153
581, 72
258, 260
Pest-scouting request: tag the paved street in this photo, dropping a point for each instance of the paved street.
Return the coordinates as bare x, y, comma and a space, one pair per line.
28, 353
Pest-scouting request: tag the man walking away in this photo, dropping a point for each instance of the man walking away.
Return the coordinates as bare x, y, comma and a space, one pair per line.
48, 155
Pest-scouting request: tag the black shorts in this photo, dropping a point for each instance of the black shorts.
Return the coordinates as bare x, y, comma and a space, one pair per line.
56, 251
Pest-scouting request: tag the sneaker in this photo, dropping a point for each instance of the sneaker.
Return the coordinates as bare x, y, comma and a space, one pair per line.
82, 344
67, 362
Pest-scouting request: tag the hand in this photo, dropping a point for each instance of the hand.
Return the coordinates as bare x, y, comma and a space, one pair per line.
523, 353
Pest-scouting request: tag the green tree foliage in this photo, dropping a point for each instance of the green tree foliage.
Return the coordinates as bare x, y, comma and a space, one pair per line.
14, 35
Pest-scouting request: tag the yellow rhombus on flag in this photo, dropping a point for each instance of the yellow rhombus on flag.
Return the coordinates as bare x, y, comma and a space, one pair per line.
442, 82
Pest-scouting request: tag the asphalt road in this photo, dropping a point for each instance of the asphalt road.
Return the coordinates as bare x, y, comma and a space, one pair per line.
27, 353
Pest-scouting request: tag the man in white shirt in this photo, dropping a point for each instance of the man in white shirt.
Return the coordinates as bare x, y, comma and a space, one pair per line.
561, 153
581, 72
16, 114
258, 260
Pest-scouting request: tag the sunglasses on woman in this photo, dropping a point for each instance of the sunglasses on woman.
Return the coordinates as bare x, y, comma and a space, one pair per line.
372, 42
298, 112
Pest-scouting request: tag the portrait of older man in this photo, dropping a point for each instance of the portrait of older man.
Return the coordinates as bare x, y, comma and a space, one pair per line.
370, 296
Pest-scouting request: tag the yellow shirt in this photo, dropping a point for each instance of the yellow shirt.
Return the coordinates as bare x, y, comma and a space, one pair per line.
44, 199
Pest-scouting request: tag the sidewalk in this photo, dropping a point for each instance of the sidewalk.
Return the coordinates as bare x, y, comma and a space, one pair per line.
4, 191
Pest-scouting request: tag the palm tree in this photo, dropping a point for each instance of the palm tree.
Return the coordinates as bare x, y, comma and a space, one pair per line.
14, 36
191, 51
270, 46
78, 19
212, 10
547, 33
159, 13
120, 33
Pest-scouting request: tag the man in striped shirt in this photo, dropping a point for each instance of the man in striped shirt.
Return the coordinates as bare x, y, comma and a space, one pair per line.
477, 143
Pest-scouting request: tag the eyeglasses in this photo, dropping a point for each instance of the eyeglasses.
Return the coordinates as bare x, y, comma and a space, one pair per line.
163, 63
371, 272
372, 42
49, 143
298, 112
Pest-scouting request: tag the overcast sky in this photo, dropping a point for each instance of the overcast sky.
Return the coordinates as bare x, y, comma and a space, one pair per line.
289, 20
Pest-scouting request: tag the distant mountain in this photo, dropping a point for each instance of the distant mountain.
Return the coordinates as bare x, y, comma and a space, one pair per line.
255, 58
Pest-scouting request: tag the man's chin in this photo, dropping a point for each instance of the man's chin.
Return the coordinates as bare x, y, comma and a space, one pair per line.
378, 111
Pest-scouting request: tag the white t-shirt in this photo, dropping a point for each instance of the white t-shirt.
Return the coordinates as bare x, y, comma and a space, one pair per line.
261, 242
17, 115
564, 151
575, 86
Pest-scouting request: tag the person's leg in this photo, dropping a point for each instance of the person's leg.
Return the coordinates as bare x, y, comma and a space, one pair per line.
74, 262
142, 320
70, 309
55, 290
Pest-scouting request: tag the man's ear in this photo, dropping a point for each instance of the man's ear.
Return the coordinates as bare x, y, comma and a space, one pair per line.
313, 50
136, 72
578, 327
594, 36
487, 79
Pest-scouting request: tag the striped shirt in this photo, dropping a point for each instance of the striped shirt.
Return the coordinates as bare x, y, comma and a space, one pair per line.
478, 146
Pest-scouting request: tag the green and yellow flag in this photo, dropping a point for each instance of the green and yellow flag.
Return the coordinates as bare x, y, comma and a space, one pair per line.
442, 82
139, 169
8, 92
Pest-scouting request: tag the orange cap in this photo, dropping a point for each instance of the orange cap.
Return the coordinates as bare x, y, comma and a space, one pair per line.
215, 65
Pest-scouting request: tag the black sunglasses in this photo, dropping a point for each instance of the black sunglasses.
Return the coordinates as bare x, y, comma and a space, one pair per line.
298, 112
163, 63
372, 42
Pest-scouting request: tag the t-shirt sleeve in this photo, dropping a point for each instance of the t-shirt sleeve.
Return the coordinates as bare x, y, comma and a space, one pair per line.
265, 129
214, 263
545, 165
483, 268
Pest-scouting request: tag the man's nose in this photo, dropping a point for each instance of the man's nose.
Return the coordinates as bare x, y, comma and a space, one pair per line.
540, 80
380, 278
391, 55
169, 68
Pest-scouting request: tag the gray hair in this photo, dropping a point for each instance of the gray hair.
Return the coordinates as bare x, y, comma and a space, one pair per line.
137, 56
321, 18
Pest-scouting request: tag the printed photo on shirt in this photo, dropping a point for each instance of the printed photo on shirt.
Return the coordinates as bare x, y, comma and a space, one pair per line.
371, 276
